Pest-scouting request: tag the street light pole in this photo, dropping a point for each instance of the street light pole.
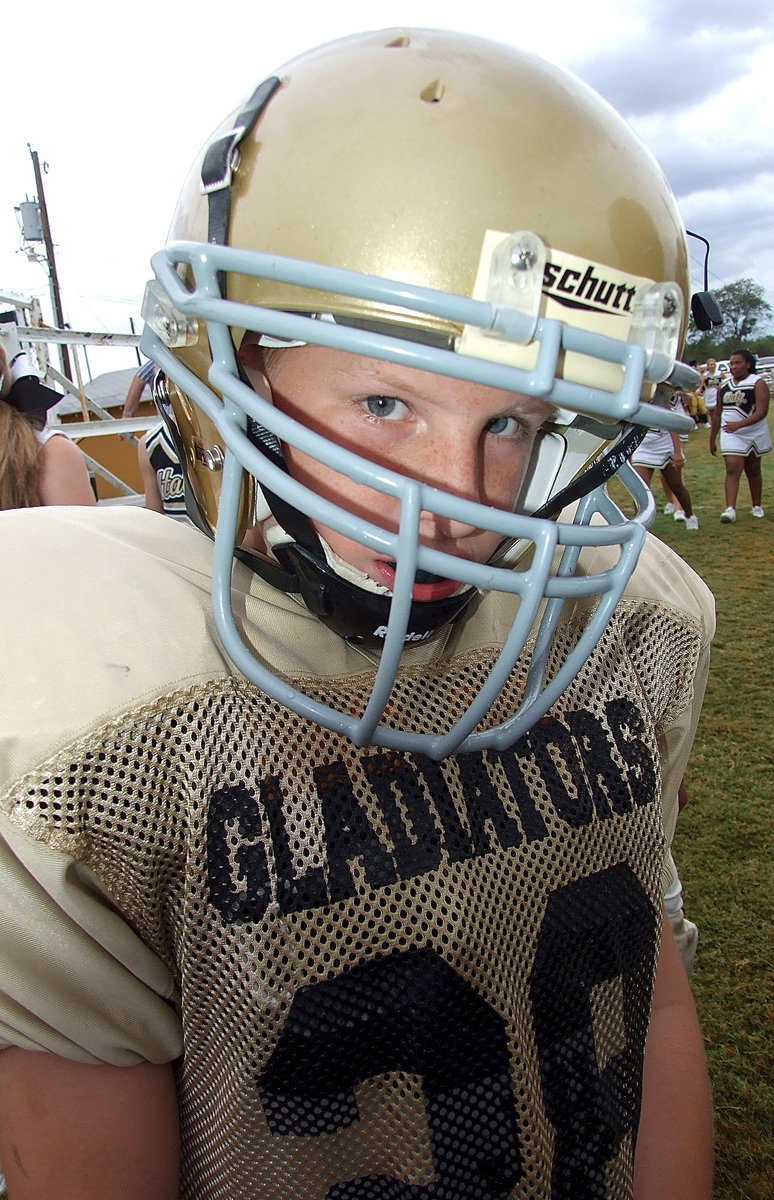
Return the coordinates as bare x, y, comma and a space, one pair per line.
56, 302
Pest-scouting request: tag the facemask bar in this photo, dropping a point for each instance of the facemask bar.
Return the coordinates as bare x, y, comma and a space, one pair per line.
241, 402
553, 337
532, 586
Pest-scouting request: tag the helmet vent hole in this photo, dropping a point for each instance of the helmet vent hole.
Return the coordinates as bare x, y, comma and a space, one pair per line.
434, 92
399, 43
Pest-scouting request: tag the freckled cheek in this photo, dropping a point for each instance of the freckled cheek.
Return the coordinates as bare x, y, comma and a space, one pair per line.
502, 481
502, 477
339, 489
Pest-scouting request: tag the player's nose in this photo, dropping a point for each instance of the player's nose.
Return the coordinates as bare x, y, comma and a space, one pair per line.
454, 466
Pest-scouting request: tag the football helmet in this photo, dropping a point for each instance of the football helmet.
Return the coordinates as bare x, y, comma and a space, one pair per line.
462, 207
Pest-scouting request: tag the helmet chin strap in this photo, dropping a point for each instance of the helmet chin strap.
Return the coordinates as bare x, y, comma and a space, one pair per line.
344, 598
276, 537
594, 476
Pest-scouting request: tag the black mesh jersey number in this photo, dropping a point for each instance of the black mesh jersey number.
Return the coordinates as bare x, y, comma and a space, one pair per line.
404, 1012
594, 931
411, 1012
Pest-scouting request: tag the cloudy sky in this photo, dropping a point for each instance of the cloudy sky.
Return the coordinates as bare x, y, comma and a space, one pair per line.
117, 100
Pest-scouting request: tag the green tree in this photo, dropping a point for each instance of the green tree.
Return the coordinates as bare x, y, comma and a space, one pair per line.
744, 310
701, 346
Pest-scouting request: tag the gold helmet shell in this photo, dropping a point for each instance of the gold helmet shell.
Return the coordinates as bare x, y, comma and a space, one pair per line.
395, 154
392, 153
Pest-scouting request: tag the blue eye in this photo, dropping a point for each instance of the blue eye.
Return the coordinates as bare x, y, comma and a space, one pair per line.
386, 407
504, 426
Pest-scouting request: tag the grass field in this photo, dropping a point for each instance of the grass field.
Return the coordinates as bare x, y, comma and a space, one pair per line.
723, 844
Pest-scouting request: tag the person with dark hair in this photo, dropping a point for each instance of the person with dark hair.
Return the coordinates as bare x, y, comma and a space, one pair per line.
740, 417
711, 380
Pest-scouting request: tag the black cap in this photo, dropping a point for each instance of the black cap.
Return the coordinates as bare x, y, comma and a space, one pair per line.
29, 395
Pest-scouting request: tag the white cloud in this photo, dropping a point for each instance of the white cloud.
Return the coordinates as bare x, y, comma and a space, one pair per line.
702, 104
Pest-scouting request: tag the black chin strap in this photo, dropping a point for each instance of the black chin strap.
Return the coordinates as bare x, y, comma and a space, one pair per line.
601, 471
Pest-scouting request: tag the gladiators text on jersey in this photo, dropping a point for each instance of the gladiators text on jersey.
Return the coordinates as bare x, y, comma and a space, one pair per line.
242, 826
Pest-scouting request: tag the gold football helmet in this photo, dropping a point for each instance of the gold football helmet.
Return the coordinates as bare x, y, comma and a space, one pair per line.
452, 204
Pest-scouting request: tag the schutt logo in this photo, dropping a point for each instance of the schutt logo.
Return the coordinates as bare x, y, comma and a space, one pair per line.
587, 290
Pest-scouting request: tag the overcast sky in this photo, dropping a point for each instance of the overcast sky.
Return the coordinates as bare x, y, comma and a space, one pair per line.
117, 101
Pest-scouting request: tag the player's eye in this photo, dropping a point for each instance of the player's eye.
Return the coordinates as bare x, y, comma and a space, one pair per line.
505, 426
389, 408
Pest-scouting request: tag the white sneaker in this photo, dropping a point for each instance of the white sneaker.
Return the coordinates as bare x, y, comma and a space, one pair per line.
692, 522
679, 515
728, 514
757, 511
668, 508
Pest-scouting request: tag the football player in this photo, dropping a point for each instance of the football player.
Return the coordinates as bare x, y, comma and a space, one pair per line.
345, 880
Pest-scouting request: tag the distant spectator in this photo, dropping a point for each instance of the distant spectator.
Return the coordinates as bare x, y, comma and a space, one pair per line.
711, 380
740, 418
662, 451
694, 401
37, 465
161, 473
142, 379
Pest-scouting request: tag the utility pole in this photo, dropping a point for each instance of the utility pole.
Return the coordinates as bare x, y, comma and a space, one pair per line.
56, 302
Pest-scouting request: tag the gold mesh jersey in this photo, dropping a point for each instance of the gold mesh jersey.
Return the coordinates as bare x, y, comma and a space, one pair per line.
392, 978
